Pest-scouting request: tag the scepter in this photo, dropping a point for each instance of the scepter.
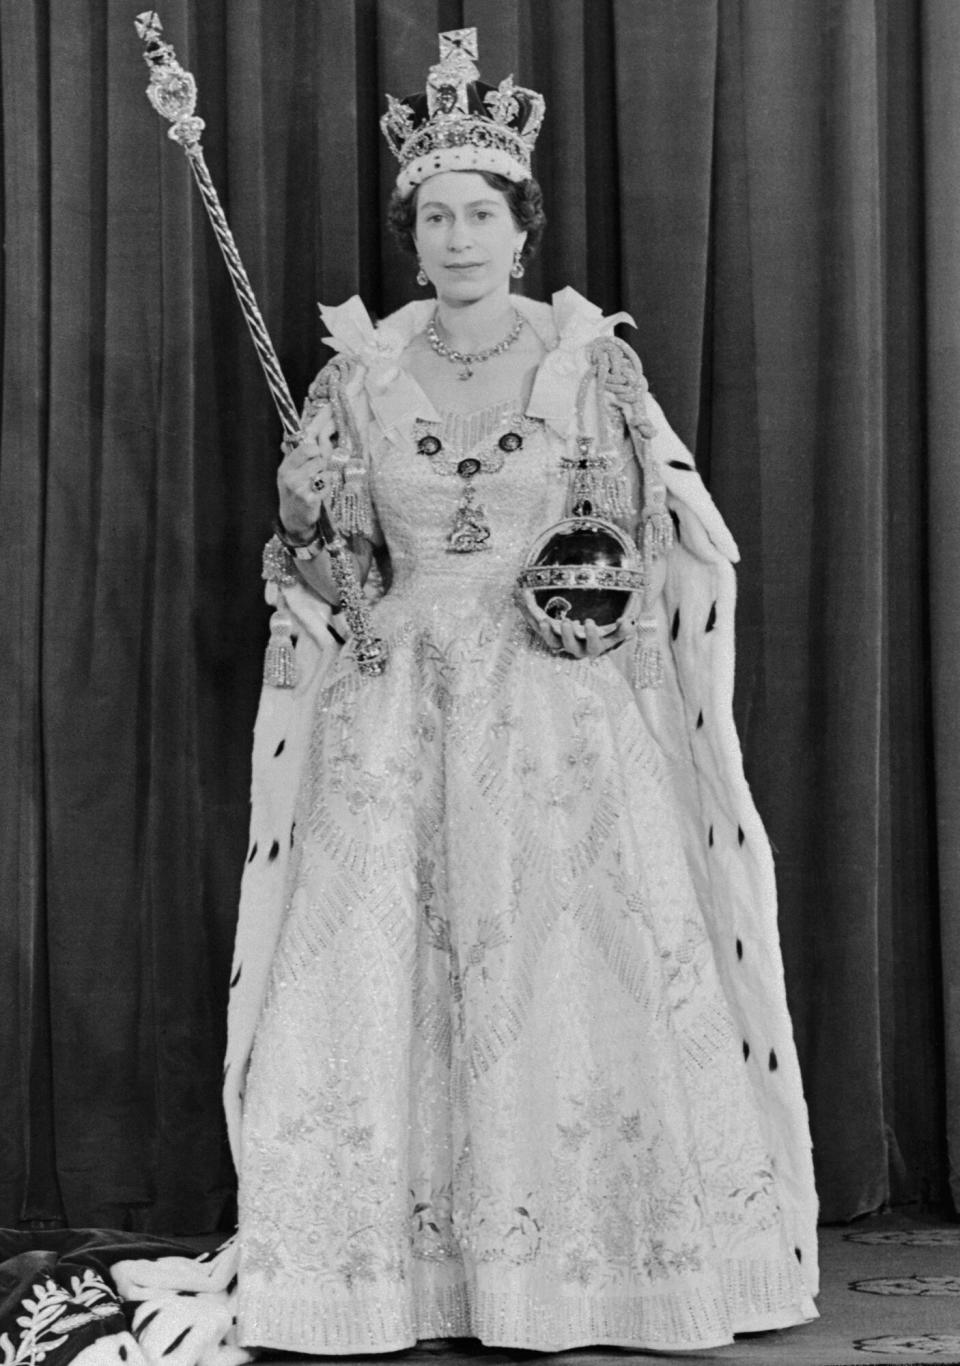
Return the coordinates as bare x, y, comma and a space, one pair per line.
173, 94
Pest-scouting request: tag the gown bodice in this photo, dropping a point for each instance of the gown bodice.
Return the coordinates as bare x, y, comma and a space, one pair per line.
516, 493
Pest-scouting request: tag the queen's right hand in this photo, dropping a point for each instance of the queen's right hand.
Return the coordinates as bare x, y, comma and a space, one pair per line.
301, 478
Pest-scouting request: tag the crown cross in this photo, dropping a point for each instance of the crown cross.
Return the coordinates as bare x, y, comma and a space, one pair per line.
459, 40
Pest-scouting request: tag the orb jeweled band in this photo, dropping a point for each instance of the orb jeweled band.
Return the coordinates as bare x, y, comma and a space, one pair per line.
461, 124
582, 576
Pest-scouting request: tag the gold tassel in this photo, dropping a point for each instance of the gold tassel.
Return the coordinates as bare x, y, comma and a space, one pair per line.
647, 659
280, 661
657, 531
352, 509
613, 496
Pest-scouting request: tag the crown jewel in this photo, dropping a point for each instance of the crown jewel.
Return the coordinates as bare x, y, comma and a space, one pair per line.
460, 124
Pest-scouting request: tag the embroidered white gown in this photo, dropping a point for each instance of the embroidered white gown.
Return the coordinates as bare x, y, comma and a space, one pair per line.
495, 1089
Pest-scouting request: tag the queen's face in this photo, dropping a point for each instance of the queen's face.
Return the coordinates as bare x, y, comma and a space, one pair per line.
465, 236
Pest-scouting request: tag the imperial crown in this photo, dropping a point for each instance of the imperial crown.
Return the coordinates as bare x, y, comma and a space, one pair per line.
460, 124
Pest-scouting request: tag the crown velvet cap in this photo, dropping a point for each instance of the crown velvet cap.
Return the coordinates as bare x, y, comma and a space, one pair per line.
460, 124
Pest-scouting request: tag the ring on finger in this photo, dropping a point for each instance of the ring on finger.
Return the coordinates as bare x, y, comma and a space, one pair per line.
317, 482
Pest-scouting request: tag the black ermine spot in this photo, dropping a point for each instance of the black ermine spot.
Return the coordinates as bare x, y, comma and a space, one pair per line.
172, 1347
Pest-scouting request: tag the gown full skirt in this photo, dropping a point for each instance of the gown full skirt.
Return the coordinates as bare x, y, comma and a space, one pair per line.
495, 1089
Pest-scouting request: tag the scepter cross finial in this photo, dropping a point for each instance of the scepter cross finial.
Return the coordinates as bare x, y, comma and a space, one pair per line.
172, 91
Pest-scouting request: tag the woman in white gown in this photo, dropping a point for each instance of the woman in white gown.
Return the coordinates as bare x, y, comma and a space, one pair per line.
509, 1050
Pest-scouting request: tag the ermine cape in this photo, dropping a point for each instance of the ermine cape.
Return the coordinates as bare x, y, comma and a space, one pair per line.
690, 715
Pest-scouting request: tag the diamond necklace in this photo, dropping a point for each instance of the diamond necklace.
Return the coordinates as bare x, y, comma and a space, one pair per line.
466, 359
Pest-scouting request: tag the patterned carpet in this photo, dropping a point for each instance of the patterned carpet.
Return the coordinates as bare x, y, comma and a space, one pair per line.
890, 1293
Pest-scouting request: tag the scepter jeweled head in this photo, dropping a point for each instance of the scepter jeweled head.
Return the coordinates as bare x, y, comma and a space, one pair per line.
172, 91
460, 124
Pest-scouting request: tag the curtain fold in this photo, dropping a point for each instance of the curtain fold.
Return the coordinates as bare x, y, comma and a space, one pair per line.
941, 190
27, 1167
771, 191
666, 62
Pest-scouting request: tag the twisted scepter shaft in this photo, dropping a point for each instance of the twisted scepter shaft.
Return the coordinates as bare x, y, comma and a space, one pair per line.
173, 93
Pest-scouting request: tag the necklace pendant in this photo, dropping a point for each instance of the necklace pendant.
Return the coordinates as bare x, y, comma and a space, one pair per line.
465, 373
470, 530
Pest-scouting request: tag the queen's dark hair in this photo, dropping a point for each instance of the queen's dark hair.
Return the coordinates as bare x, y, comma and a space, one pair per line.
524, 199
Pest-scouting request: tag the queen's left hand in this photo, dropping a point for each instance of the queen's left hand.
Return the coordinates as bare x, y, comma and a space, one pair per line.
579, 639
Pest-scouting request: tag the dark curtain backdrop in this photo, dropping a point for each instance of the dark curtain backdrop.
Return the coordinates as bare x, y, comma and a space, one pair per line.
772, 190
